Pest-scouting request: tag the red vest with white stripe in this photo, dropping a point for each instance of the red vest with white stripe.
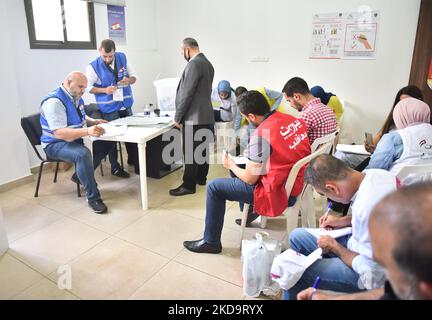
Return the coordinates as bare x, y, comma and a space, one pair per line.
289, 143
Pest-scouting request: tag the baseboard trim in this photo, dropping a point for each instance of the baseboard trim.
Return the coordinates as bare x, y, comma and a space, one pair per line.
16, 183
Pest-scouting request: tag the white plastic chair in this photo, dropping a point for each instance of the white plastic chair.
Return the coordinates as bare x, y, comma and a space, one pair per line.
291, 213
418, 170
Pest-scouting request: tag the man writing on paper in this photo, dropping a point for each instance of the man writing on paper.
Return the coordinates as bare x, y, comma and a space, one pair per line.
110, 77
278, 142
64, 124
348, 259
401, 237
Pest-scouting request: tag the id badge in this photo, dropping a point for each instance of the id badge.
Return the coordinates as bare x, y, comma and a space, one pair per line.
118, 94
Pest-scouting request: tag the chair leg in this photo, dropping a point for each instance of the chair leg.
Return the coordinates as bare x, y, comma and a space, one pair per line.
56, 171
78, 187
263, 222
121, 155
243, 221
101, 169
39, 179
292, 214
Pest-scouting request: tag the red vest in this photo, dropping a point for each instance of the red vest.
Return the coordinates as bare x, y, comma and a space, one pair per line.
289, 143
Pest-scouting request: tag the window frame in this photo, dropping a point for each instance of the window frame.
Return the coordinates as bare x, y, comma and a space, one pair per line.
49, 44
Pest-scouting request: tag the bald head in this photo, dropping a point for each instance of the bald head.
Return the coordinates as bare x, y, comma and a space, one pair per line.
401, 234
75, 83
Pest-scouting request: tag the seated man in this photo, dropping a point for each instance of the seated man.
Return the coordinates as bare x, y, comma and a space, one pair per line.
319, 118
64, 124
401, 238
278, 142
347, 259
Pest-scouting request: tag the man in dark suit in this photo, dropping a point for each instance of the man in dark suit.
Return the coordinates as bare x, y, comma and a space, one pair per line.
194, 115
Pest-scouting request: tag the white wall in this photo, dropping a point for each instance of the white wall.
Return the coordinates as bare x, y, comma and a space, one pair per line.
231, 33
39, 71
14, 157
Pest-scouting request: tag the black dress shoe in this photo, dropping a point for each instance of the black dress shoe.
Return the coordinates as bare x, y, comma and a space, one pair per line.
181, 191
251, 217
200, 246
202, 182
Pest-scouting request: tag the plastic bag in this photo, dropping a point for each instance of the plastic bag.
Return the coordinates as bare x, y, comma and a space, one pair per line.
257, 257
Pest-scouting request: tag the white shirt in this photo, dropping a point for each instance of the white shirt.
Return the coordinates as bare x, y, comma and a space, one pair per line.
376, 185
93, 78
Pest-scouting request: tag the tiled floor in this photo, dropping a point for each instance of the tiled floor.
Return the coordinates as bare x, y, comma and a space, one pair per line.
125, 254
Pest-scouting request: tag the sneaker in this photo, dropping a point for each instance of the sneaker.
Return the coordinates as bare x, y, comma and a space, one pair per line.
98, 206
119, 172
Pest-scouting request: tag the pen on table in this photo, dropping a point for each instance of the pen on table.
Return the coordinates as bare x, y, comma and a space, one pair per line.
315, 286
329, 206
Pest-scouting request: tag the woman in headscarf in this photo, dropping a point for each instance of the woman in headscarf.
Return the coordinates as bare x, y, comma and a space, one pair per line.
410, 143
329, 99
224, 102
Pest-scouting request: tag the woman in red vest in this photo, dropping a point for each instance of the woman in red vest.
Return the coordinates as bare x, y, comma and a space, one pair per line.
279, 141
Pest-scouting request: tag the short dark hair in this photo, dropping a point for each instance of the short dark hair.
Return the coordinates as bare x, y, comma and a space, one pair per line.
190, 42
108, 45
239, 90
325, 168
253, 102
295, 85
412, 227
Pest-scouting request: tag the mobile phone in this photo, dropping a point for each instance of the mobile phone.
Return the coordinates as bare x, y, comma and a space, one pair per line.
369, 139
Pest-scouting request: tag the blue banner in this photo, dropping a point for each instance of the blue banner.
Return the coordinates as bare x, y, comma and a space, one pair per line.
117, 23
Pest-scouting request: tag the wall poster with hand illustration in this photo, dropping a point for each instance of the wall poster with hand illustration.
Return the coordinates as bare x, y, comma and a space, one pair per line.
349, 35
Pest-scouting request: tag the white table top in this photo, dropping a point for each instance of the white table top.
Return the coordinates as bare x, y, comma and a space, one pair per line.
140, 134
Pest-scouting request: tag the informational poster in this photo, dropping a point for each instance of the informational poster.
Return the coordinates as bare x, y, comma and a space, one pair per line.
349, 35
117, 23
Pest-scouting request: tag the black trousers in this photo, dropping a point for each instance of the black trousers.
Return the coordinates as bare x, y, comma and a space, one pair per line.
196, 147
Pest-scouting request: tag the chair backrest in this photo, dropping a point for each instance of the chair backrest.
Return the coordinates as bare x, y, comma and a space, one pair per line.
301, 163
330, 138
33, 130
417, 169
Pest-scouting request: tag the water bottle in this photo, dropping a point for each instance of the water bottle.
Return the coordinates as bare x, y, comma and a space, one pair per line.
147, 110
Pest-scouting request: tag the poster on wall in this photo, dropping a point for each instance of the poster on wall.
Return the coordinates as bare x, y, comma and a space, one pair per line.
349, 35
117, 24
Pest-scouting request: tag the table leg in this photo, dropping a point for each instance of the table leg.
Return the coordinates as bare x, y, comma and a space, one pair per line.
143, 174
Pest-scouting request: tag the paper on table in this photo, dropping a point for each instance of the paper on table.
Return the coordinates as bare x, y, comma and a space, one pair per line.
237, 160
112, 130
352, 148
335, 233
141, 121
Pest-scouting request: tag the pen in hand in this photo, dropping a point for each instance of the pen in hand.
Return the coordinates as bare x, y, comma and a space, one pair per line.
329, 206
314, 287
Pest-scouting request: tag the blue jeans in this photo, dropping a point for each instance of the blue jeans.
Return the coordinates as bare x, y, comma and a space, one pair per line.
218, 192
334, 273
131, 148
77, 153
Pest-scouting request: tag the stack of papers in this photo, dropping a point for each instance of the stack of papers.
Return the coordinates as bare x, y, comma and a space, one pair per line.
142, 121
112, 130
335, 233
352, 148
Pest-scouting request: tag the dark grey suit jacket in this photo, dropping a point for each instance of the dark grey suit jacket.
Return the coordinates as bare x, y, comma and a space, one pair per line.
193, 99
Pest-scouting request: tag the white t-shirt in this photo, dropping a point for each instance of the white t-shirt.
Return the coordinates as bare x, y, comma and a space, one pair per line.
376, 185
